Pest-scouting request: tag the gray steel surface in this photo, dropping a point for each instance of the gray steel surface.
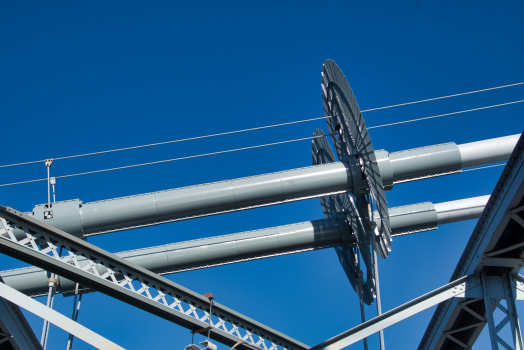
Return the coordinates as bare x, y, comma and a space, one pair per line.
197, 201
497, 240
443, 159
420, 163
464, 209
413, 218
244, 246
131, 283
492, 151
155, 208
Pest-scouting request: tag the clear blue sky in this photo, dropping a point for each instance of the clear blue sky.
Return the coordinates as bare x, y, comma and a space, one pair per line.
82, 77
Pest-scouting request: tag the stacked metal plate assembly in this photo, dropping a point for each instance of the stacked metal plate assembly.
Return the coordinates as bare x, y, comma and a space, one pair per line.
354, 148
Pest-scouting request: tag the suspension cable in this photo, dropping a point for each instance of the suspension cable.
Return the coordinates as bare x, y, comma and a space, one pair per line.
168, 160
168, 142
443, 115
251, 147
276, 125
484, 167
203, 155
443, 97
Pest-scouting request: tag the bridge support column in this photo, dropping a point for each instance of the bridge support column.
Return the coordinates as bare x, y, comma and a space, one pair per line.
492, 304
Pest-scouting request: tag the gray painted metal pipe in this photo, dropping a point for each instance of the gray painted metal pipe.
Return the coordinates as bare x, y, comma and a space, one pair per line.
444, 159
207, 252
259, 244
492, 151
190, 202
464, 209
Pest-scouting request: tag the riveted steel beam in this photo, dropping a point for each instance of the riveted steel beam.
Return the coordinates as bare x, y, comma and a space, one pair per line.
259, 244
131, 283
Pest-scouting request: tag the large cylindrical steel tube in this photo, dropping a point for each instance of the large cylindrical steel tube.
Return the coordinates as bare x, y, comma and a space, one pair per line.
437, 160
487, 151
258, 244
195, 201
206, 252
464, 209
239, 194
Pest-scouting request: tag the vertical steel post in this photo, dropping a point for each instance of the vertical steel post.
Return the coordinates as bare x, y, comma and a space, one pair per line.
362, 313
512, 310
210, 310
375, 268
379, 303
210, 297
51, 280
360, 295
48, 163
489, 313
50, 298
53, 183
76, 309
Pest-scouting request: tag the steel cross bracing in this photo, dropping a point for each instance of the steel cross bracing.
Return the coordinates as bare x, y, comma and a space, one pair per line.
492, 302
130, 283
473, 288
497, 241
467, 303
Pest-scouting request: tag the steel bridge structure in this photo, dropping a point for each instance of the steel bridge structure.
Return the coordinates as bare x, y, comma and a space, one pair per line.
351, 180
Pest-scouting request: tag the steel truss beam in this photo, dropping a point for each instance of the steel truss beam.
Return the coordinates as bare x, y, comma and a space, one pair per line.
261, 244
491, 303
131, 283
497, 241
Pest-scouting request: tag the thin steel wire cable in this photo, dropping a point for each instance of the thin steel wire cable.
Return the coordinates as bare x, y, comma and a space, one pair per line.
271, 144
443, 97
244, 148
168, 142
169, 160
443, 115
260, 128
484, 167
202, 155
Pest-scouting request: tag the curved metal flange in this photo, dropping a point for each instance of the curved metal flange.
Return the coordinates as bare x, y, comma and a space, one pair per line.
351, 138
343, 204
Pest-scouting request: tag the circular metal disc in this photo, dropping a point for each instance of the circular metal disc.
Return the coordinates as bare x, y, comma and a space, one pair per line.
341, 105
322, 154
